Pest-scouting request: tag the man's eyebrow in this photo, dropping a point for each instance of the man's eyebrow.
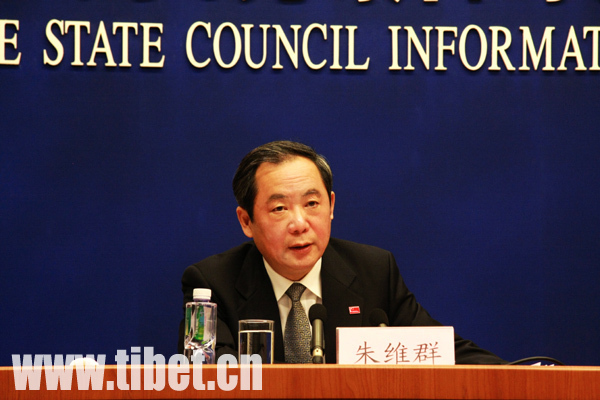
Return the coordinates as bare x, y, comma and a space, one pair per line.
280, 196
276, 196
311, 192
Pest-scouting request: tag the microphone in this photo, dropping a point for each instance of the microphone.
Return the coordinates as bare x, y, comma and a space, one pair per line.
378, 317
317, 316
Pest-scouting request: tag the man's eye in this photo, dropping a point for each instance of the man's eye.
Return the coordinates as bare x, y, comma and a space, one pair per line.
313, 203
278, 209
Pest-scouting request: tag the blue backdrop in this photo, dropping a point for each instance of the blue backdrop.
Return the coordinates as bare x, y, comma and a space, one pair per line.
484, 183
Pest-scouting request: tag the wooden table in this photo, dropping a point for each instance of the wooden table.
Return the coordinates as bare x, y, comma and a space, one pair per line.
334, 381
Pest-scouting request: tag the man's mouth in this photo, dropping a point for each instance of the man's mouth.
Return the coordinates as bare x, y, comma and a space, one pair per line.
300, 246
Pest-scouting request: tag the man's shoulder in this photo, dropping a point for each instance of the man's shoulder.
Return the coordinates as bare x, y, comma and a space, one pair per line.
228, 261
219, 269
366, 265
232, 258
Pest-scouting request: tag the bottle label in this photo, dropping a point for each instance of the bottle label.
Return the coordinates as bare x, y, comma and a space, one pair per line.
199, 322
188, 320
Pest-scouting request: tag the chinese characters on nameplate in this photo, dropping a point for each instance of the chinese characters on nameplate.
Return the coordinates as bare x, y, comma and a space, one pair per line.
396, 345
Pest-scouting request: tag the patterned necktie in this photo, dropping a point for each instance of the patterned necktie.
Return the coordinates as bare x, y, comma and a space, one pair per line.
297, 329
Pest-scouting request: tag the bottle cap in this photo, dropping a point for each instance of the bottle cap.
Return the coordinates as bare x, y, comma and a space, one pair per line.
202, 294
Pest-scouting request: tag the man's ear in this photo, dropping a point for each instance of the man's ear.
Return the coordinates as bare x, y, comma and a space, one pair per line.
245, 221
332, 204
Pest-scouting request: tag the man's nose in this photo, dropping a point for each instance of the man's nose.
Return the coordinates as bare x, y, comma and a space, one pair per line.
298, 222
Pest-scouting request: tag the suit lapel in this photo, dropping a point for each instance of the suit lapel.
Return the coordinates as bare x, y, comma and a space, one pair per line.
337, 279
257, 299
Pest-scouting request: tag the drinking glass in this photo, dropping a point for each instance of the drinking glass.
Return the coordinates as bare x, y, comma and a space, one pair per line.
256, 337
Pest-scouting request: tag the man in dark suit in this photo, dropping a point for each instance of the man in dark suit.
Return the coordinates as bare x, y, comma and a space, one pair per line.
285, 204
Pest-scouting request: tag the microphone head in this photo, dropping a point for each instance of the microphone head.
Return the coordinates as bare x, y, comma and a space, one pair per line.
317, 311
378, 317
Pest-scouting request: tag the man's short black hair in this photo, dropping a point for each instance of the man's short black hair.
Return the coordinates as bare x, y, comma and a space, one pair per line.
244, 181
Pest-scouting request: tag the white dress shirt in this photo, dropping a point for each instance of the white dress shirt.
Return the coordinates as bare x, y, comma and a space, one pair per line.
310, 296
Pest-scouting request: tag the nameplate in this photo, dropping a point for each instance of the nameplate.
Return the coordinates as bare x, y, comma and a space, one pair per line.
396, 345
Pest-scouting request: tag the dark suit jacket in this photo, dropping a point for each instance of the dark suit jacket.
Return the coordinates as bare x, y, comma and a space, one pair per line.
352, 274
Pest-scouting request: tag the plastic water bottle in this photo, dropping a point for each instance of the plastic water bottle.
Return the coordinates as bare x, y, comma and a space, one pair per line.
201, 327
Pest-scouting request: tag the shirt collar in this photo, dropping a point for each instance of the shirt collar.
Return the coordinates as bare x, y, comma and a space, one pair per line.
312, 280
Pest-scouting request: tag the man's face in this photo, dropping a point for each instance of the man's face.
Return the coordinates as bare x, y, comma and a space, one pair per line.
292, 216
